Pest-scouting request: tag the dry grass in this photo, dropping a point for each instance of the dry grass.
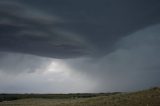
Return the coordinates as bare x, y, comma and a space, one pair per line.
143, 98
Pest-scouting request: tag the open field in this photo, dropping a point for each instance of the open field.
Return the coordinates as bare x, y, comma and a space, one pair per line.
149, 97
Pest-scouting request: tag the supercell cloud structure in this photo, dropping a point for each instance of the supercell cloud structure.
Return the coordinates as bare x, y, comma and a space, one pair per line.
111, 45
25, 31
85, 27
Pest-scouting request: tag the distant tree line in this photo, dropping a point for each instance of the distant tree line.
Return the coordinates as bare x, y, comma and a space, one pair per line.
10, 97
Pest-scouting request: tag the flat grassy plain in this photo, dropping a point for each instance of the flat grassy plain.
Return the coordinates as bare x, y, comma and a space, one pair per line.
149, 97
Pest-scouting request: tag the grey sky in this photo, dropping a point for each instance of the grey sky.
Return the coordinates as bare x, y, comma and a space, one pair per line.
79, 46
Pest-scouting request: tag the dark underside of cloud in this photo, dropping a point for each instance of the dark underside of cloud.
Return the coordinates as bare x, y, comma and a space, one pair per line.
113, 42
84, 27
135, 64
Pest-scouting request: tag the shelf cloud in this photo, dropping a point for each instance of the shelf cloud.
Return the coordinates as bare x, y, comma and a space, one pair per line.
110, 44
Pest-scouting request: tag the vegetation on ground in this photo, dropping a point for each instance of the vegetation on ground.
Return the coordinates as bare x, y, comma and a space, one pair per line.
149, 97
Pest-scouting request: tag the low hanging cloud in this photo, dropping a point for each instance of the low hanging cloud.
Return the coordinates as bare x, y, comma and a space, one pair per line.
107, 45
15, 63
83, 32
133, 65
27, 31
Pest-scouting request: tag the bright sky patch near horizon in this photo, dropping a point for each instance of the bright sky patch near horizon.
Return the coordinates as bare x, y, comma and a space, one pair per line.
68, 46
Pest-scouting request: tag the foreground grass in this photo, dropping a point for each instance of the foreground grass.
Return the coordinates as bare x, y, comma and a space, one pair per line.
143, 98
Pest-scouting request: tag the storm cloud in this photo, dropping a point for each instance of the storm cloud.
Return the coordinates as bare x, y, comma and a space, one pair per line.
25, 31
133, 65
84, 28
91, 46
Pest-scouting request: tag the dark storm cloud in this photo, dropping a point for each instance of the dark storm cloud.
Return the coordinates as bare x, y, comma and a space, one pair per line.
99, 25
133, 65
104, 22
117, 42
28, 31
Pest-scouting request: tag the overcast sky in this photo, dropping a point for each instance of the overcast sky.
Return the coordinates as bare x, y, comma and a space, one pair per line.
70, 46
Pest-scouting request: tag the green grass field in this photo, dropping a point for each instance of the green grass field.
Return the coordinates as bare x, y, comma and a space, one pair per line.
149, 97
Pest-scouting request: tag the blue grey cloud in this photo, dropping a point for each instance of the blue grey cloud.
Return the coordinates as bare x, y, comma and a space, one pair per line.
132, 66
114, 43
27, 31
93, 27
